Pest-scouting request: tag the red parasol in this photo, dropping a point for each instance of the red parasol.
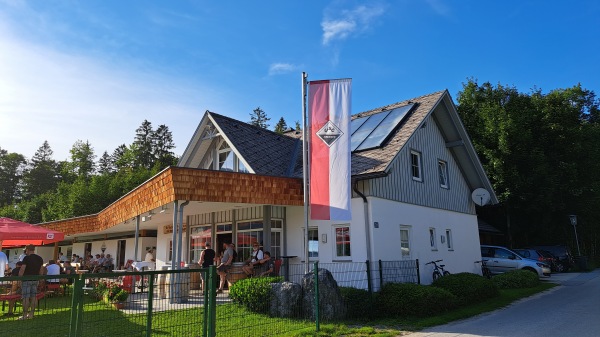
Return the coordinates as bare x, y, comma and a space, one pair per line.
17, 233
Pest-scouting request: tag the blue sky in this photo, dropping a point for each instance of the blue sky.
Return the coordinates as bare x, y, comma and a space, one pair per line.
94, 70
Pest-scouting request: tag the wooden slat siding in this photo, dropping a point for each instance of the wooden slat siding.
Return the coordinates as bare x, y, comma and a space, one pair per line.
177, 183
399, 186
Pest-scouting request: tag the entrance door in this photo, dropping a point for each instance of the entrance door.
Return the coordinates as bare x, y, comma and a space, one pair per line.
120, 254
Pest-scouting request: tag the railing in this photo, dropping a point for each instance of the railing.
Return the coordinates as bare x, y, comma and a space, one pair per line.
170, 302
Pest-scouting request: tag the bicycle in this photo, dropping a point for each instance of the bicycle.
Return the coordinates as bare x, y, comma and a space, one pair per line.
438, 270
485, 271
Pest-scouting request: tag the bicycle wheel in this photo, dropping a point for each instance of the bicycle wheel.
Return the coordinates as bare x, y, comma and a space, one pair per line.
446, 273
436, 275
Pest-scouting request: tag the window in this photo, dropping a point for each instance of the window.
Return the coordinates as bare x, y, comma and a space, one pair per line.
248, 232
443, 173
313, 243
405, 242
225, 158
432, 240
342, 241
276, 235
449, 239
415, 164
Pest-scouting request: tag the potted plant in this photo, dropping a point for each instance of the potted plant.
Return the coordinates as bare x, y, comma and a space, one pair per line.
119, 299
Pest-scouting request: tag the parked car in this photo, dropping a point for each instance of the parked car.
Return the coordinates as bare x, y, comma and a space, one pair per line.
562, 253
501, 259
539, 255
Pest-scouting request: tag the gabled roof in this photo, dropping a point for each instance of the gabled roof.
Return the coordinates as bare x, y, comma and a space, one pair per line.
270, 153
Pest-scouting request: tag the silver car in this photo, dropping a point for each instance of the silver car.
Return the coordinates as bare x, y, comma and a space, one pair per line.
501, 259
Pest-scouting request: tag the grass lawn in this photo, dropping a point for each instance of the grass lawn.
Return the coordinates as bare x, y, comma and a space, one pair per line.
232, 320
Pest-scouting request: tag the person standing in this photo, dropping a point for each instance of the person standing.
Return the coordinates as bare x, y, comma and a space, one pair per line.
3, 261
33, 264
207, 258
149, 256
224, 266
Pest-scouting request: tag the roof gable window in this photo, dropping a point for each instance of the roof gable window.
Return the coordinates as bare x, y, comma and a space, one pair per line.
226, 158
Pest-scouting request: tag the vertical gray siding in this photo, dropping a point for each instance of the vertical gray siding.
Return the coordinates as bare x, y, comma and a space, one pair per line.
400, 186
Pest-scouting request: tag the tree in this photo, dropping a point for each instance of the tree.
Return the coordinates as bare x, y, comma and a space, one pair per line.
142, 145
259, 118
540, 152
162, 146
41, 176
12, 166
105, 164
298, 126
281, 126
82, 159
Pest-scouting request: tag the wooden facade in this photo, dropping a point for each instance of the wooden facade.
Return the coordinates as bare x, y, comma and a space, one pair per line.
178, 183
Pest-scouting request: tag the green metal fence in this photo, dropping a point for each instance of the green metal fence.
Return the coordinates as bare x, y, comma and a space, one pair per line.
172, 303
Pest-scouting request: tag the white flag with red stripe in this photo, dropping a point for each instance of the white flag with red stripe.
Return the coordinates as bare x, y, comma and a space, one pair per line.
329, 128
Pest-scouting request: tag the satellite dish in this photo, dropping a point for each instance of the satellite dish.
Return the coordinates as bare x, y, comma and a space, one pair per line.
480, 196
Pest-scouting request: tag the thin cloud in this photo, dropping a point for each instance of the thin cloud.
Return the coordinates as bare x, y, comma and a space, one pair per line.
440, 7
61, 97
349, 22
281, 68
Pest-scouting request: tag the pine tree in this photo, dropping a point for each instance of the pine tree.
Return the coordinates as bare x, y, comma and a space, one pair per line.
281, 126
259, 118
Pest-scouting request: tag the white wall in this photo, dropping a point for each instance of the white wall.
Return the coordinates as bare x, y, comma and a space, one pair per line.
391, 215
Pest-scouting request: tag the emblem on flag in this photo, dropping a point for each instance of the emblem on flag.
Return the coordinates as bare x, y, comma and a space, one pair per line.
329, 133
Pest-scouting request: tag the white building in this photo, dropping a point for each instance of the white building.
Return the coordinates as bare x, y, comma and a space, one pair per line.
412, 186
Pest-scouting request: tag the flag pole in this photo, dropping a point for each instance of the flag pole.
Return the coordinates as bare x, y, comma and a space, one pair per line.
305, 167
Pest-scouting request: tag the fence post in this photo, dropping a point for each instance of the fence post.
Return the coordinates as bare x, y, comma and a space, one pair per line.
418, 272
205, 317
317, 314
212, 301
369, 285
76, 302
150, 302
380, 274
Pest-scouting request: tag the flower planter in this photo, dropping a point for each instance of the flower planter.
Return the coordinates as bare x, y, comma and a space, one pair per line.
119, 305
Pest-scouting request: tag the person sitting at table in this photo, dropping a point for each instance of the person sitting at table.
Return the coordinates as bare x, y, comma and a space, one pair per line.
68, 269
15, 289
128, 265
267, 266
109, 263
52, 269
253, 261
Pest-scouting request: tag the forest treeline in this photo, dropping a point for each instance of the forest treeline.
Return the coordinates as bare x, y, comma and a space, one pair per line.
540, 150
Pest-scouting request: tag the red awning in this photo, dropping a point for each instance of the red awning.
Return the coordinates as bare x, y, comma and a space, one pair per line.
16, 233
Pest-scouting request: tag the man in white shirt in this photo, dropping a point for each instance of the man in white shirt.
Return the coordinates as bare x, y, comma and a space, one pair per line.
53, 269
3, 261
149, 256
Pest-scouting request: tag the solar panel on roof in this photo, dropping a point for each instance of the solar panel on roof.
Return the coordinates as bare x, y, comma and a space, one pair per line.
383, 130
366, 128
356, 123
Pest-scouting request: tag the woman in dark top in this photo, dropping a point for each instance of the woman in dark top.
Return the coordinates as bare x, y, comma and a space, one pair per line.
207, 258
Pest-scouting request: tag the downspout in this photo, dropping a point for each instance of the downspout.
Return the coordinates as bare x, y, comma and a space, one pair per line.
137, 237
366, 211
179, 250
180, 233
173, 246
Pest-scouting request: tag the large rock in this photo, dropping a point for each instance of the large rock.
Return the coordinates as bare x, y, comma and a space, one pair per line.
330, 298
286, 300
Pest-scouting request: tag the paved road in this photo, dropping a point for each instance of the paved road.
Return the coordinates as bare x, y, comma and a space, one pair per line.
571, 309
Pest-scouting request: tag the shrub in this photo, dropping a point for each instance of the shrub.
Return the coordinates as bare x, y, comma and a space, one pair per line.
468, 288
413, 300
516, 279
359, 302
254, 293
